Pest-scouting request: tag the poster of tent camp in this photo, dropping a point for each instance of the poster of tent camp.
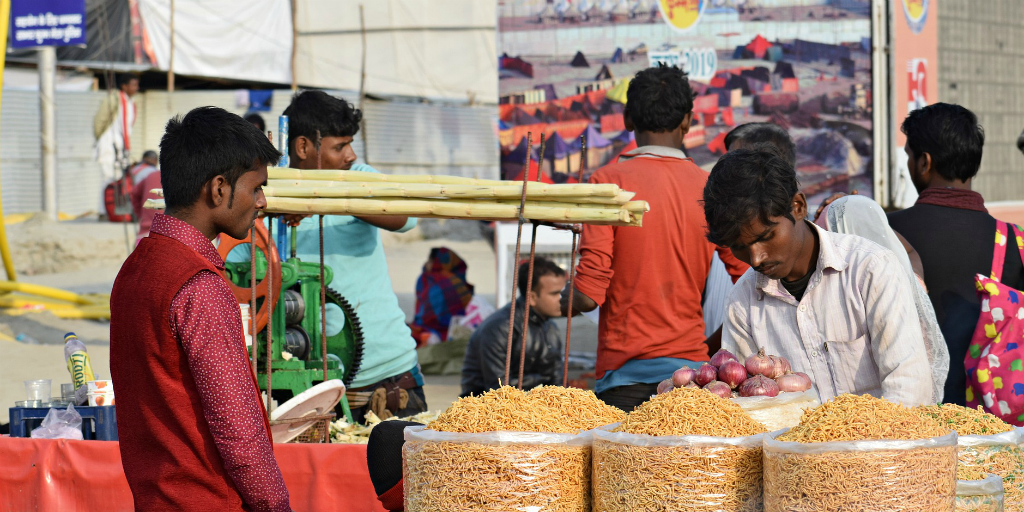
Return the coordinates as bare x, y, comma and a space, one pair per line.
805, 65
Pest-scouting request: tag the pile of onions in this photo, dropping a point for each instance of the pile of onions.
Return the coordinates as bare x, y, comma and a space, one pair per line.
725, 376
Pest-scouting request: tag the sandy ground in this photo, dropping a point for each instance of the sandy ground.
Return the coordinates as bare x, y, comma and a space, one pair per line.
84, 257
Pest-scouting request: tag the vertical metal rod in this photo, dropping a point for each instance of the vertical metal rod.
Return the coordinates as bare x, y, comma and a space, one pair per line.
515, 257
323, 301
269, 301
295, 43
252, 297
572, 268
529, 282
323, 285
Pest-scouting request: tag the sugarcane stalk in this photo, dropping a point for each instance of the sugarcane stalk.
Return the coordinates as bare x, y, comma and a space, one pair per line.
447, 209
534, 190
282, 173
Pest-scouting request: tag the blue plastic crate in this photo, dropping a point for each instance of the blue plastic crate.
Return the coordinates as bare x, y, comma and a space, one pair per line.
98, 423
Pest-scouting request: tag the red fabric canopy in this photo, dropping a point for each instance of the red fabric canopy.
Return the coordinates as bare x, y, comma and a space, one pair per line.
71, 476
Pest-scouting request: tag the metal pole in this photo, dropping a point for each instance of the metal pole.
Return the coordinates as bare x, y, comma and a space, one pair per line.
515, 259
572, 269
48, 129
269, 301
170, 66
529, 278
323, 302
252, 299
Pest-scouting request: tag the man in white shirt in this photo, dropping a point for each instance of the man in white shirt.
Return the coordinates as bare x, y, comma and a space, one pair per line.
112, 127
838, 307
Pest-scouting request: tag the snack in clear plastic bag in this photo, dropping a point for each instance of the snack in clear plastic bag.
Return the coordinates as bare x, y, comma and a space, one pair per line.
1001, 454
638, 472
60, 424
496, 471
779, 412
985, 495
895, 476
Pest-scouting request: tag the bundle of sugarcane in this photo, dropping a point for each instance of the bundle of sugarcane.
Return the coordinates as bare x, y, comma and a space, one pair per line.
331, 192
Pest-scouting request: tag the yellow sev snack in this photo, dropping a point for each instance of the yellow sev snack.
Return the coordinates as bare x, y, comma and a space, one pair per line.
987, 444
861, 453
506, 450
966, 421
687, 449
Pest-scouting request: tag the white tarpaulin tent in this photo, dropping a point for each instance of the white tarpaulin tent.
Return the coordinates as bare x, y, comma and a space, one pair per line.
249, 40
441, 49
437, 49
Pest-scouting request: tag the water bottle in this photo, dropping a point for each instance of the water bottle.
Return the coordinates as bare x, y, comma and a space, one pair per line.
79, 365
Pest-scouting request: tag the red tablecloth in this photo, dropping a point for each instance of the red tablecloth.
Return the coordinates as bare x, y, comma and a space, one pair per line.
86, 476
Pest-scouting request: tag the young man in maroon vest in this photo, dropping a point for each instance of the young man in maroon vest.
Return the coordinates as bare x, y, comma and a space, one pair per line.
193, 432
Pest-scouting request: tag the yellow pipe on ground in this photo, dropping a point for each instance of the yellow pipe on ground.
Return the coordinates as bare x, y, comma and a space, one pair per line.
45, 291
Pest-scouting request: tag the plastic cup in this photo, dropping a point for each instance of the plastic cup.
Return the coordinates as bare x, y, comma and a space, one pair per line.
67, 392
38, 389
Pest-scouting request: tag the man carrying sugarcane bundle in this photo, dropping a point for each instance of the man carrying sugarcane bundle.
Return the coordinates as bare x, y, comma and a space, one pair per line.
648, 281
321, 130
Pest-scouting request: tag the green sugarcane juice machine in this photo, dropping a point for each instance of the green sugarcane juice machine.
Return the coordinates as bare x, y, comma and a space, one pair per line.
296, 361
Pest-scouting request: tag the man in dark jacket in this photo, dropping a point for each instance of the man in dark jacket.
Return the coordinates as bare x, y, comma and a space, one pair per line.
484, 364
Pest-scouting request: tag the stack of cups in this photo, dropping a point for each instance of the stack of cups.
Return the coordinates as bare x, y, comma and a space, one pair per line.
246, 320
101, 392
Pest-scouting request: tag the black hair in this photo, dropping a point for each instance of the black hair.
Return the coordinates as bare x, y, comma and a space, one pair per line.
316, 110
257, 121
658, 99
770, 133
541, 267
206, 143
125, 78
951, 135
149, 154
746, 184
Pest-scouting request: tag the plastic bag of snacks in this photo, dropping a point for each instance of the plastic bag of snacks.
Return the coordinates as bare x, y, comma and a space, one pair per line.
496, 471
860, 453
1001, 454
506, 450
687, 449
636, 472
987, 445
984, 495
779, 412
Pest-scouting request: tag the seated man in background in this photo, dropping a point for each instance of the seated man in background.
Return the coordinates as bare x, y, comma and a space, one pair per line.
838, 307
484, 364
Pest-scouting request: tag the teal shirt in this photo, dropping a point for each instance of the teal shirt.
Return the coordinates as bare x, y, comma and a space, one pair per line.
353, 249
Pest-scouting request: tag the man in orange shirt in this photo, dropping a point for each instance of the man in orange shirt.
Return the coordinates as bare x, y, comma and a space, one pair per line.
648, 281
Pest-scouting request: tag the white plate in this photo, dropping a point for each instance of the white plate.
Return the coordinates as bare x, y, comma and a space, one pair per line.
315, 401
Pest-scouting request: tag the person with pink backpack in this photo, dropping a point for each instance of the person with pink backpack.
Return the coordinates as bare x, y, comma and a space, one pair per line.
972, 264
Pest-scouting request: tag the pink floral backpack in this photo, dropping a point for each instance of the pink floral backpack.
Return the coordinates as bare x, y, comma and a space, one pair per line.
995, 357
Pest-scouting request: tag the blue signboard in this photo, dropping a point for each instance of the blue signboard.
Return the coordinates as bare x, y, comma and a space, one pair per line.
47, 23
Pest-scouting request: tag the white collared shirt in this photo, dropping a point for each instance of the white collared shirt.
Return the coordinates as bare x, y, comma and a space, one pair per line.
855, 330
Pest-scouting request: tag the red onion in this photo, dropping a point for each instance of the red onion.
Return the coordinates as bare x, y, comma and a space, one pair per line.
760, 364
665, 386
706, 373
759, 385
732, 373
793, 382
719, 388
721, 357
692, 385
683, 376
780, 366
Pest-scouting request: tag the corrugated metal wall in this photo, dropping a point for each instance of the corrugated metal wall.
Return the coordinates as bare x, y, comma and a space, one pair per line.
403, 138
78, 175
